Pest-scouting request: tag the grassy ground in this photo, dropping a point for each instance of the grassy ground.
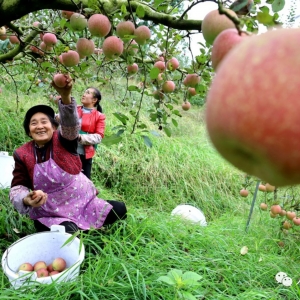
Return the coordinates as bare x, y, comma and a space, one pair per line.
129, 260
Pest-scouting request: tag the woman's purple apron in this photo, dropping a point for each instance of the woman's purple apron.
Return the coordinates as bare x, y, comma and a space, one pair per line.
70, 198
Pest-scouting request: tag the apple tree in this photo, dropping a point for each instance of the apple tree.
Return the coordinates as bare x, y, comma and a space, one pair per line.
101, 40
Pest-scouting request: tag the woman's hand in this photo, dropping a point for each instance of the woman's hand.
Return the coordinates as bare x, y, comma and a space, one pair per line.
65, 92
35, 198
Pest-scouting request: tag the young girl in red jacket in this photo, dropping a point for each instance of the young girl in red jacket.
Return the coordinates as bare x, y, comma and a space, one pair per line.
92, 127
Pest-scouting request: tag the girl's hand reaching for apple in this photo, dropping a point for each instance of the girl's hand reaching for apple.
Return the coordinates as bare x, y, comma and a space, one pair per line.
35, 198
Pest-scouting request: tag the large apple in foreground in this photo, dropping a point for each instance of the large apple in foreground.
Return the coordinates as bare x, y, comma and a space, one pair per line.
253, 107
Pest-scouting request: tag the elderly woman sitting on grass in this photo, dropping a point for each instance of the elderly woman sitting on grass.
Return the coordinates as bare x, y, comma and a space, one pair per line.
47, 180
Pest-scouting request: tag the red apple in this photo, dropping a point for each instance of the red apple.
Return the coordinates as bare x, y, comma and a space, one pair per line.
132, 69
186, 105
85, 47
112, 47
70, 58
282, 213
125, 28
59, 264
60, 80
270, 188
261, 142
43, 272
50, 268
168, 86
191, 80
263, 206
161, 65
214, 23
296, 221
262, 188
290, 215
67, 14
223, 43
244, 192
39, 265
172, 64
53, 273
99, 25
287, 225
142, 34
192, 91
26, 267
275, 209
78, 22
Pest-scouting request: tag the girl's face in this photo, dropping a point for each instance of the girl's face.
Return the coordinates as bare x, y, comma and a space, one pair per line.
88, 99
40, 129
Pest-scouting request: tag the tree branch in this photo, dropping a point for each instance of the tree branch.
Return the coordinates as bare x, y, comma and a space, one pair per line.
13, 10
19, 48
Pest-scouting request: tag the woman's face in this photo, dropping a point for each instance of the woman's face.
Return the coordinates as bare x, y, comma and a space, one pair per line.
40, 129
88, 98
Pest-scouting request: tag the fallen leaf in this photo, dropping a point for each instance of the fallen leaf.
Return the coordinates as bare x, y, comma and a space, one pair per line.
16, 230
244, 250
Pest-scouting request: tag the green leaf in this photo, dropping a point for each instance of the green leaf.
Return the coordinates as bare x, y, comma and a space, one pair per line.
123, 9
169, 106
133, 88
191, 278
167, 131
111, 140
71, 238
278, 5
162, 7
177, 113
175, 273
154, 73
147, 141
201, 59
45, 64
167, 279
200, 88
187, 295
175, 123
88, 10
237, 5
142, 126
158, 2
140, 12
264, 17
62, 22
121, 117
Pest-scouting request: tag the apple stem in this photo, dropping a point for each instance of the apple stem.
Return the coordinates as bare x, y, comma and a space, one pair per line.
252, 205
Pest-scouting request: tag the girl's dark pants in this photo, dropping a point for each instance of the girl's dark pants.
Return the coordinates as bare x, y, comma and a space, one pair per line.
118, 212
86, 165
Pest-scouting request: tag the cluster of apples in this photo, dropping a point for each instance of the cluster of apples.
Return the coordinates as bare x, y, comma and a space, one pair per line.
126, 40
166, 86
276, 210
43, 270
262, 187
98, 26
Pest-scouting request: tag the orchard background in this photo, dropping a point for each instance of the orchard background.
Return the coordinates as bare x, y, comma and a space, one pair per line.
155, 155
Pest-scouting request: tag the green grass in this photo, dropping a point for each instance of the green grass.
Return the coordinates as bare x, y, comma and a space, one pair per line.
126, 260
